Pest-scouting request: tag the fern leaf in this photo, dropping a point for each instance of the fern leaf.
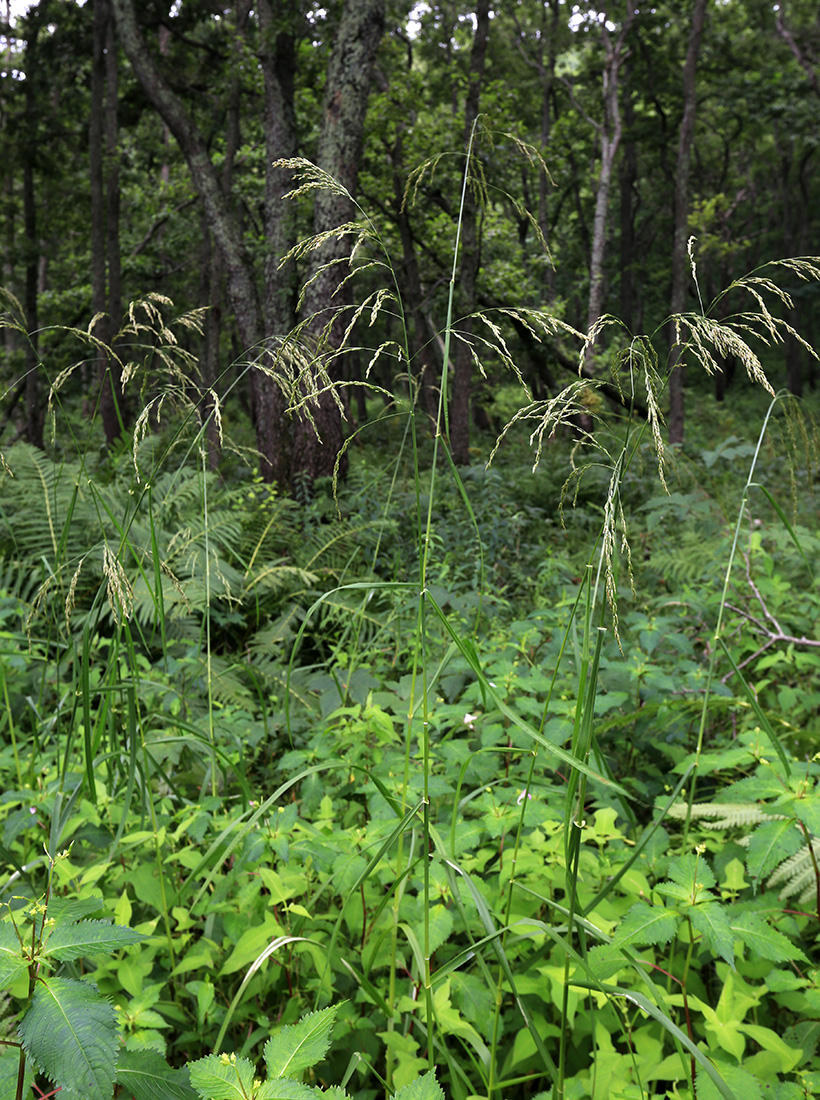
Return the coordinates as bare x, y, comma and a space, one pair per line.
70, 1033
299, 1046
76, 941
646, 924
764, 941
145, 1075
798, 873
222, 1077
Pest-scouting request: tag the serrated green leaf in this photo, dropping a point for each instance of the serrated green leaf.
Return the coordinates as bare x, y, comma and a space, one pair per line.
220, 1077
738, 1080
12, 963
423, 1088
764, 941
808, 811
646, 924
285, 1088
770, 844
712, 922
675, 891
441, 925
691, 871
70, 1033
335, 1092
76, 941
9, 1068
297, 1047
71, 910
145, 1075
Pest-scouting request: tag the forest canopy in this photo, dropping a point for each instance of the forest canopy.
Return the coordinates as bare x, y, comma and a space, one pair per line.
144, 148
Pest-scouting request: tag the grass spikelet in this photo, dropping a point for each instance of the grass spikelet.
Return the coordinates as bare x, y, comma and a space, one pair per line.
551, 415
119, 592
310, 177
72, 590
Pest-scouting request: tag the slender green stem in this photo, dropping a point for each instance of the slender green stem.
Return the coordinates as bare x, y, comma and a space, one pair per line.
716, 638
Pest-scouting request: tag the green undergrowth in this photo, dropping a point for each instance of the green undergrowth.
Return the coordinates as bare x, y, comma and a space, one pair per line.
478, 783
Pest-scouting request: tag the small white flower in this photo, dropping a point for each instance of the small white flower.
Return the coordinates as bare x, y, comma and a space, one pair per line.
470, 720
520, 798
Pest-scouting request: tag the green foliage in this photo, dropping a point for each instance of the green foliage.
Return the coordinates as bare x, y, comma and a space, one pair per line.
371, 777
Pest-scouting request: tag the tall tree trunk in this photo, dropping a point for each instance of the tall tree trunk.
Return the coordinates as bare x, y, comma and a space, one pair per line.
278, 58
680, 263
34, 410
315, 448
469, 261
629, 176
227, 236
112, 186
98, 170
609, 134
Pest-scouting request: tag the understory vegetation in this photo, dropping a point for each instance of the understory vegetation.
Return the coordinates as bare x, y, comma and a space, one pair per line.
496, 782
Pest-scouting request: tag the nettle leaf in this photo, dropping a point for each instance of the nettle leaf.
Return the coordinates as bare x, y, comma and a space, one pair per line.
692, 872
646, 924
770, 844
808, 811
297, 1047
76, 941
9, 1068
71, 910
675, 891
222, 1077
285, 1088
713, 924
423, 1088
764, 941
12, 963
145, 1075
70, 1032
441, 925
739, 1081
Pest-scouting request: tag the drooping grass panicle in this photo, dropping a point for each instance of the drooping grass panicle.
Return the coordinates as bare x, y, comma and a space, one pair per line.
550, 415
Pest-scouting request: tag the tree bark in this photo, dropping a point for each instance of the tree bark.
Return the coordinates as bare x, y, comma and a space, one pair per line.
239, 276
100, 159
609, 134
680, 262
34, 411
469, 261
268, 401
277, 57
316, 445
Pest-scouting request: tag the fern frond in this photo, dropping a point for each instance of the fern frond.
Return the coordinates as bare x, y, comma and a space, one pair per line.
727, 815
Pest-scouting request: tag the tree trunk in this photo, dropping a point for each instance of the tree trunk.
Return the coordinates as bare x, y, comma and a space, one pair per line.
610, 138
315, 448
680, 260
277, 58
629, 177
269, 404
34, 410
112, 192
469, 261
98, 170
227, 238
